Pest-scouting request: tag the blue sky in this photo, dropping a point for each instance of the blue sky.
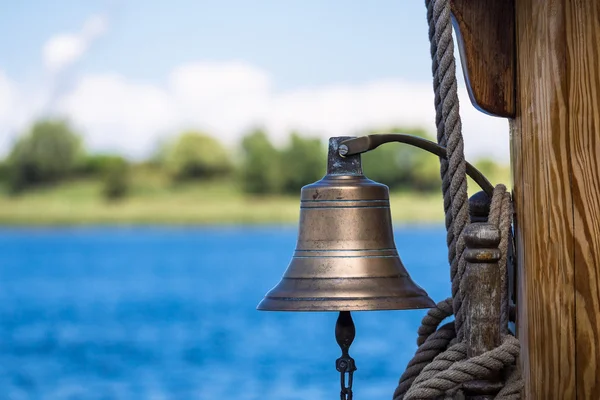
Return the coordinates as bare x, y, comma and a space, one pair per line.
130, 72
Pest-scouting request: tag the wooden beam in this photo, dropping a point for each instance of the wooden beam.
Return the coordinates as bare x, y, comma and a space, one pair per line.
556, 171
583, 54
555, 146
485, 34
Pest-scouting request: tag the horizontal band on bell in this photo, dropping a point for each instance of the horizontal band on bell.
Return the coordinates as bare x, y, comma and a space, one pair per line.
350, 304
345, 268
327, 253
344, 203
348, 250
358, 277
331, 256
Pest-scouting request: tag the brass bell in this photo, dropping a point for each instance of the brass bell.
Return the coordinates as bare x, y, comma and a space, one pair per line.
345, 258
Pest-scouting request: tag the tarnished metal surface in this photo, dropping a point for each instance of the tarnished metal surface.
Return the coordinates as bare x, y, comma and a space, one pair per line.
345, 257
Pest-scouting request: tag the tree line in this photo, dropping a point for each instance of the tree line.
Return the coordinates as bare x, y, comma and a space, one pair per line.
51, 151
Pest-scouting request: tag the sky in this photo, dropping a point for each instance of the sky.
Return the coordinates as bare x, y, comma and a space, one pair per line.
129, 74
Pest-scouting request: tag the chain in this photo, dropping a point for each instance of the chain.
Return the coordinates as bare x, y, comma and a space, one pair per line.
344, 335
346, 366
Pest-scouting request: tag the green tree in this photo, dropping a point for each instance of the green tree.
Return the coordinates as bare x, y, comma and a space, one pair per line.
94, 164
425, 172
195, 155
47, 153
260, 171
494, 171
3, 171
303, 161
115, 177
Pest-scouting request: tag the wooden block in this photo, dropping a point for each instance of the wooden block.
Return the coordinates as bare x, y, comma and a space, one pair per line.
485, 32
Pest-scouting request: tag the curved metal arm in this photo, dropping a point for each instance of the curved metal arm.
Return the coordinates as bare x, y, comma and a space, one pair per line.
367, 143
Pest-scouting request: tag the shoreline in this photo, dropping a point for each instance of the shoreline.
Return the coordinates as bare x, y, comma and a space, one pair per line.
79, 204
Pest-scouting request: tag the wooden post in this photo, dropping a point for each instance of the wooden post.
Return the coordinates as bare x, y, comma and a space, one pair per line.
556, 169
555, 146
481, 287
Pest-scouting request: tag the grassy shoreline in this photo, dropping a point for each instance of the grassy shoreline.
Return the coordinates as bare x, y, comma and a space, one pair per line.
79, 203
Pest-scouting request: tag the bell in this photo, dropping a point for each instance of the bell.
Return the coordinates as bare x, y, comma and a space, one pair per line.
345, 258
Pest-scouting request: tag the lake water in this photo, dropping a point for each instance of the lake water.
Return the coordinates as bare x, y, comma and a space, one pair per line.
169, 313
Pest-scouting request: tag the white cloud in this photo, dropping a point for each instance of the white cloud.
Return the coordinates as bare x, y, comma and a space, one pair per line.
63, 50
225, 98
119, 114
228, 98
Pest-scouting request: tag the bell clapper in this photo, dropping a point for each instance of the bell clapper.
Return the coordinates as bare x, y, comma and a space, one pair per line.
344, 335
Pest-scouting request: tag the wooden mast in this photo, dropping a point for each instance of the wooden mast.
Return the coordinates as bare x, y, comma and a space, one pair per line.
555, 151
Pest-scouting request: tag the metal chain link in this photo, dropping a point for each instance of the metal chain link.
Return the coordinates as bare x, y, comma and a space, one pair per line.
346, 366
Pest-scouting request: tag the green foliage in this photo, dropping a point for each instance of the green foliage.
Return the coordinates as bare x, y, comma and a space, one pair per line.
260, 172
495, 172
115, 177
425, 172
51, 152
304, 161
95, 164
401, 166
47, 153
3, 171
195, 155
486, 166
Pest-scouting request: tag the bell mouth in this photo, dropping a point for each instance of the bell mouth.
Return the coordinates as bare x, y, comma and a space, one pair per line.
346, 281
341, 304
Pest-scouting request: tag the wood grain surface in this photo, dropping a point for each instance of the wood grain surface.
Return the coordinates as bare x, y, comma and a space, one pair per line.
583, 45
556, 171
485, 34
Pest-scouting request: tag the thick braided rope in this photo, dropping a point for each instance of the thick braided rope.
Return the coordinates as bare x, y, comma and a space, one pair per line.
427, 332
500, 215
513, 384
433, 319
435, 344
450, 369
454, 182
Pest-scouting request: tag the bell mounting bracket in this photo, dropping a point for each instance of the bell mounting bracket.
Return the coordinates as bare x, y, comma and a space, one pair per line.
363, 144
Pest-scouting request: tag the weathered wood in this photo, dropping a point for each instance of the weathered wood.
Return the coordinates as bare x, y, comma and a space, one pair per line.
555, 151
481, 286
485, 33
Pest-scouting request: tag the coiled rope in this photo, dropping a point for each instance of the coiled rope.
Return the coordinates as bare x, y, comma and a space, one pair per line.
440, 365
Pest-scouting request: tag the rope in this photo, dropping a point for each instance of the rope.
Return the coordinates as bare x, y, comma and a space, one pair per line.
501, 216
431, 348
432, 320
440, 365
454, 178
451, 368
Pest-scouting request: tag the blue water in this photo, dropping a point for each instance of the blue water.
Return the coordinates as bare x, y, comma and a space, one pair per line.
169, 313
